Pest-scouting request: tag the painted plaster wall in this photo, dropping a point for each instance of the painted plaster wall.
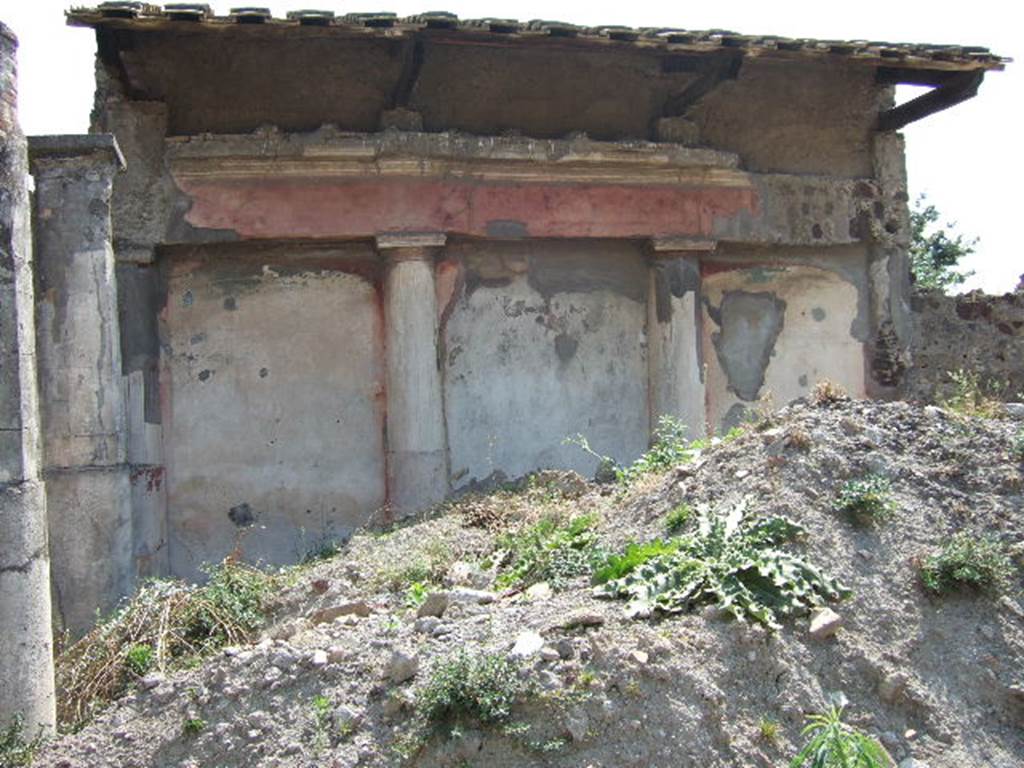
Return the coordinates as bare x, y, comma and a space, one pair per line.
273, 387
545, 340
777, 329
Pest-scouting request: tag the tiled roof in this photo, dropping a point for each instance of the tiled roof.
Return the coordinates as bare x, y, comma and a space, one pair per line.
922, 55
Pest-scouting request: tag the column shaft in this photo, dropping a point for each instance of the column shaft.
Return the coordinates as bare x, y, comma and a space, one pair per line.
81, 386
26, 633
416, 460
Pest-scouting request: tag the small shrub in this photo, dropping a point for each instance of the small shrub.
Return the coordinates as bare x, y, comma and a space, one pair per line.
669, 447
635, 555
971, 397
15, 751
139, 658
193, 726
967, 560
548, 551
324, 549
734, 561
867, 500
676, 520
768, 730
1018, 446
827, 392
834, 744
481, 687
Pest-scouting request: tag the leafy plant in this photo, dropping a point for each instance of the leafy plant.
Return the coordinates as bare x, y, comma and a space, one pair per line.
677, 519
972, 397
635, 555
669, 447
867, 500
193, 726
15, 751
934, 256
1018, 446
480, 686
734, 561
967, 560
835, 744
548, 551
416, 594
139, 658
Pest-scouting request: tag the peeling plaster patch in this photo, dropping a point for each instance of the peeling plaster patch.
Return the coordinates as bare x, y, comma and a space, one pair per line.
242, 515
802, 381
230, 303
673, 278
586, 270
565, 347
205, 374
750, 324
263, 373
818, 314
187, 299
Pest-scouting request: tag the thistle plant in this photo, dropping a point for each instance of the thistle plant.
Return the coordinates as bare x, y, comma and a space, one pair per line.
734, 561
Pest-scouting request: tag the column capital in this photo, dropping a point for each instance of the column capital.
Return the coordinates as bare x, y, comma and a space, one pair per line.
46, 152
672, 246
401, 245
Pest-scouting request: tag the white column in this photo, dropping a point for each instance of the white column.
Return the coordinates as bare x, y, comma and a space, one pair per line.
416, 456
675, 364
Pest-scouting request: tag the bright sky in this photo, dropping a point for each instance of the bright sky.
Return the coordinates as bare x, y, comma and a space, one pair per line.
968, 159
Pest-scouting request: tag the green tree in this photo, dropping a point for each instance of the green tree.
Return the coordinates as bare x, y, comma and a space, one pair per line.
935, 254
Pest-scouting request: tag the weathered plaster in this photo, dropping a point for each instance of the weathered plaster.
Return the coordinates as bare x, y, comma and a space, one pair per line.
273, 395
802, 333
524, 371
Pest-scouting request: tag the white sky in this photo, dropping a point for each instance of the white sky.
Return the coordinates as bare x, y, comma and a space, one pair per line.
968, 159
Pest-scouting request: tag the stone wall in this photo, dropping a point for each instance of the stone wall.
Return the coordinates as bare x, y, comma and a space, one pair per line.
973, 331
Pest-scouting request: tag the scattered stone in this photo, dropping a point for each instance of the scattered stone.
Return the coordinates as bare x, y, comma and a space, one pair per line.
824, 623
891, 687
402, 666
742, 473
539, 591
578, 619
577, 723
426, 624
319, 586
471, 596
151, 681
434, 606
345, 717
527, 644
565, 649
912, 763
337, 654
548, 653
1014, 410
640, 657
319, 658
354, 608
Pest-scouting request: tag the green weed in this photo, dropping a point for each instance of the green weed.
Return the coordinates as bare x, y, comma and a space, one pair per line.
139, 658
967, 560
416, 594
635, 555
676, 520
971, 396
548, 551
834, 744
734, 561
867, 500
193, 726
479, 686
15, 751
768, 729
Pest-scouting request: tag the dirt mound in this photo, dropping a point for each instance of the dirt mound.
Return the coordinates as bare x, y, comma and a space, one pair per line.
360, 646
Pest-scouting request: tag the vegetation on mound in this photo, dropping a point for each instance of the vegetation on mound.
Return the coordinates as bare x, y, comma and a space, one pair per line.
481, 687
834, 744
866, 500
15, 750
967, 560
971, 396
547, 551
167, 625
733, 561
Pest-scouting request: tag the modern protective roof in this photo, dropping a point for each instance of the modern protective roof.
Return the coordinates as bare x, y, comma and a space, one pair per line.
139, 15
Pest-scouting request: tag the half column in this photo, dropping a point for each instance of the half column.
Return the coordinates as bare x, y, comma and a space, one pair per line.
81, 385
